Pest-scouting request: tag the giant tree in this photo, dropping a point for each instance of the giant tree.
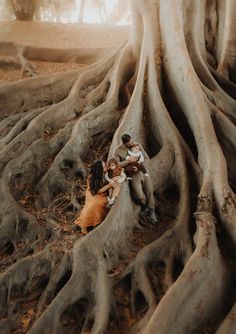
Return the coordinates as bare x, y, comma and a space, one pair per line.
171, 86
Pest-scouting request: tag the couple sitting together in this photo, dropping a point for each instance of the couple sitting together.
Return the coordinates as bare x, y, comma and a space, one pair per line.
104, 183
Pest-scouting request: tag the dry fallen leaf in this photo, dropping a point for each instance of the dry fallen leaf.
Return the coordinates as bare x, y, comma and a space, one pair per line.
25, 321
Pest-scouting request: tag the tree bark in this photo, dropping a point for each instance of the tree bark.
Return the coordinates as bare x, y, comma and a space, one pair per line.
164, 88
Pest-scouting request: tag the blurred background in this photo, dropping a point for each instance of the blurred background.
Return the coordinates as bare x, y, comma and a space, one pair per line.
108, 12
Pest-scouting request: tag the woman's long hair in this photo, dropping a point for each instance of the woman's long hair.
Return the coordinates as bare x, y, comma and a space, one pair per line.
96, 177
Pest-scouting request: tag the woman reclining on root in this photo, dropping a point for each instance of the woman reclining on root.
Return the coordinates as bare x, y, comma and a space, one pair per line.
94, 210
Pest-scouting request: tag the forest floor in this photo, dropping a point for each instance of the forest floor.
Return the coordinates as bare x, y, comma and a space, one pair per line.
54, 35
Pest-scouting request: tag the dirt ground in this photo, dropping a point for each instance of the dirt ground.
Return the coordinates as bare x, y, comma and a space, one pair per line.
55, 35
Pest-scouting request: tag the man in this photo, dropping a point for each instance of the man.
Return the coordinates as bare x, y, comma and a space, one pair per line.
142, 190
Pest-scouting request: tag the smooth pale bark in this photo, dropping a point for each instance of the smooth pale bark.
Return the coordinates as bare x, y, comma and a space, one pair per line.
227, 61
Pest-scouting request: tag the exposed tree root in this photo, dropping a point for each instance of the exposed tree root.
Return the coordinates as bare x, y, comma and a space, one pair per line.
21, 54
169, 87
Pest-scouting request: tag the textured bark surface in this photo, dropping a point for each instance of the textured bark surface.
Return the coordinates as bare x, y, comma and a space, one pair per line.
171, 86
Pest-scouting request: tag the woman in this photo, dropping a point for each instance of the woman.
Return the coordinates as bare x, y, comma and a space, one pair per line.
94, 211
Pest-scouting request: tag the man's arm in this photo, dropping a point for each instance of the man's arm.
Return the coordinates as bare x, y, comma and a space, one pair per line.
141, 159
122, 162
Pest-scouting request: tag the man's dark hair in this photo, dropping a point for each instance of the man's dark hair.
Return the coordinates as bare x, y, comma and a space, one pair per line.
125, 138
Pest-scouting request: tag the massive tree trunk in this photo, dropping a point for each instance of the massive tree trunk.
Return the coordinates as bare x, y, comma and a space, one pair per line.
169, 87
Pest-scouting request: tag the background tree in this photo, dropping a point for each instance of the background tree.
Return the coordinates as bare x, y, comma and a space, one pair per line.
5, 11
119, 12
52, 10
61, 10
169, 87
24, 10
81, 11
101, 6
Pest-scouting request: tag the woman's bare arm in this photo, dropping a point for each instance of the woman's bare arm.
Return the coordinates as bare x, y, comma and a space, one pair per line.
104, 188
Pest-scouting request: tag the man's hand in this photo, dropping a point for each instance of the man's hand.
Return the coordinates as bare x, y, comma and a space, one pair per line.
132, 159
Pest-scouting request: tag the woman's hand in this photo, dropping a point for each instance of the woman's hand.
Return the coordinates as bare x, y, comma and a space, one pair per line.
112, 184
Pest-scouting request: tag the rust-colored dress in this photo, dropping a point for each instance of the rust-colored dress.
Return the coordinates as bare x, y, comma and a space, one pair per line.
94, 210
